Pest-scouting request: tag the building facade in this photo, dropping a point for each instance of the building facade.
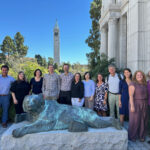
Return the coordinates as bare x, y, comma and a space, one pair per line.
125, 33
56, 44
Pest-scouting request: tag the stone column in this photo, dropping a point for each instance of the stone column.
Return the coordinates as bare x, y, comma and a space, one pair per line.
123, 42
112, 38
103, 41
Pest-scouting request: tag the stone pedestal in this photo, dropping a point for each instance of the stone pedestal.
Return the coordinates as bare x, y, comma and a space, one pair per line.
94, 139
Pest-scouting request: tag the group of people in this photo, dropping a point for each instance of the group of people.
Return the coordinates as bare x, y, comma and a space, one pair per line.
123, 95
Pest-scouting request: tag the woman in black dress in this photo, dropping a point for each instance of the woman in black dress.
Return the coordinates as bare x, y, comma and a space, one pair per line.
77, 91
36, 82
19, 89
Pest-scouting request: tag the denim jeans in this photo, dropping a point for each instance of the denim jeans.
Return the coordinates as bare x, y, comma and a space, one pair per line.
4, 102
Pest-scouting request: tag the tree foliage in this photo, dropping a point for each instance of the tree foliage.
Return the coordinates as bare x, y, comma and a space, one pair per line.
20, 48
93, 39
8, 47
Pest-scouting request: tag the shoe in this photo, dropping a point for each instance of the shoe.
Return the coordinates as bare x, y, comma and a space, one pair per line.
142, 140
4, 125
133, 140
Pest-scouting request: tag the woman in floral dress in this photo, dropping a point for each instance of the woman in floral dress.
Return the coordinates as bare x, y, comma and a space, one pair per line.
101, 96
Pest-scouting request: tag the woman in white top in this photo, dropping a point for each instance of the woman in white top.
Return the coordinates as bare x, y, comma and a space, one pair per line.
89, 90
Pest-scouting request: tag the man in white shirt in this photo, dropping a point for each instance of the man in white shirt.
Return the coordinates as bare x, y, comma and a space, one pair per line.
113, 83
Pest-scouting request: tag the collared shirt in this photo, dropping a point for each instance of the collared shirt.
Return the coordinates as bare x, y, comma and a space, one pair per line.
65, 81
5, 83
89, 88
51, 85
113, 82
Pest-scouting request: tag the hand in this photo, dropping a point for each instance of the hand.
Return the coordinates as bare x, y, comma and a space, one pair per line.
15, 101
79, 100
104, 102
91, 98
120, 105
132, 109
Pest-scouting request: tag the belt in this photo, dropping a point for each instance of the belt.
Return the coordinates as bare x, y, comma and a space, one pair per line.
114, 93
4, 94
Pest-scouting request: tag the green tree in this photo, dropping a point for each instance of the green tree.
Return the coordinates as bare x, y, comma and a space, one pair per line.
50, 60
2, 58
39, 59
44, 62
7, 47
20, 50
93, 39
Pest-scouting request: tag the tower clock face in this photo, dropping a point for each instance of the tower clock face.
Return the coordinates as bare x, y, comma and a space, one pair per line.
56, 33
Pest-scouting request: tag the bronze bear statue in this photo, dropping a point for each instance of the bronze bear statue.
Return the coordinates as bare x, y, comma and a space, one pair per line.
49, 115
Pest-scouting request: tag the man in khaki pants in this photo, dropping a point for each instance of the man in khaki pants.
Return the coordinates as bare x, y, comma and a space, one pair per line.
113, 82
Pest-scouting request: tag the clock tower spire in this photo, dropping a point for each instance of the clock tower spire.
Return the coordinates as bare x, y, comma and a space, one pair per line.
56, 44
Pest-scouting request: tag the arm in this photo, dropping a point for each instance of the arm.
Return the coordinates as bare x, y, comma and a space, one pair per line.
106, 93
131, 100
13, 90
81, 91
14, 98
43, 87
93, 90
58, 82
31, 86
120, 92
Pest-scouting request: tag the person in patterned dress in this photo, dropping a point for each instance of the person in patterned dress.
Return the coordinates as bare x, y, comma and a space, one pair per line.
101, 96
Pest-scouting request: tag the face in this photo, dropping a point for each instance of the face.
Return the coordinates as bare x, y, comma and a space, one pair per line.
38, 73
21, 76
66, 68
99, 77
127, 74
32, 103
87, 76
111, 70
4, 71
139, 77
51, 69
77, 77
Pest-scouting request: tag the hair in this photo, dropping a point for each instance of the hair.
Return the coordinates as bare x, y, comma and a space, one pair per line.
24, 79
148, 74
127, 69
36, 71
103, 80
112, 65
66, 65
50, 65
86, 74
144, 77
75, 76
4, 66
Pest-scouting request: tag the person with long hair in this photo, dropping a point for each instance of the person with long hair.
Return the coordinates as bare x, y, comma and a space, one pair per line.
89, 90
36, 82
19, 89
124, 95
148, 87
101, 96
138, 99
77, 91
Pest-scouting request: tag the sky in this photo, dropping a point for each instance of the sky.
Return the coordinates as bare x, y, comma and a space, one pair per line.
35, 20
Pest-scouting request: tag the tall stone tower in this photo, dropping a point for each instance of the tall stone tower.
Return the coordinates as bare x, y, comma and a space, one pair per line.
56, 44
